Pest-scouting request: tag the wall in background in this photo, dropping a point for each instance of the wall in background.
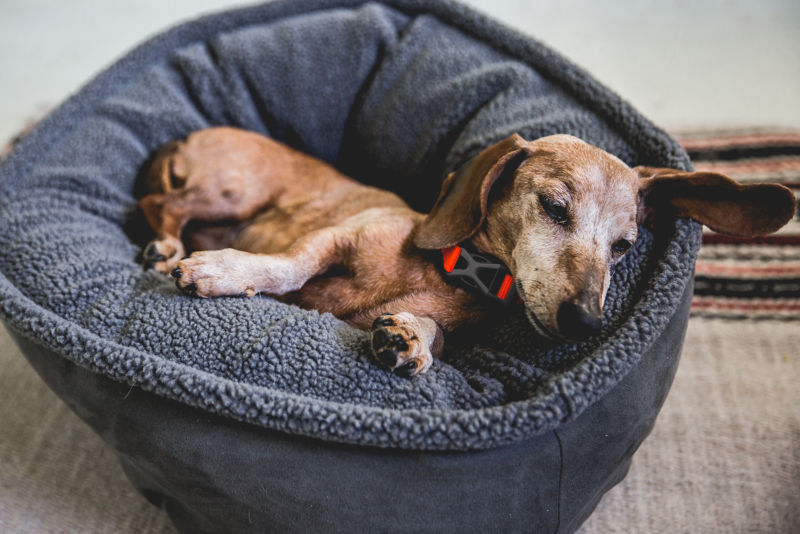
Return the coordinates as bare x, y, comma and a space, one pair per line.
683, 63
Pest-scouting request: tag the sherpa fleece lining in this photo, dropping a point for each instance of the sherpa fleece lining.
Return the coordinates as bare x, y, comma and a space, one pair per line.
395, 93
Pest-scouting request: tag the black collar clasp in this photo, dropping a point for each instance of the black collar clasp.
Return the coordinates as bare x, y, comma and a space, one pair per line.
481, 272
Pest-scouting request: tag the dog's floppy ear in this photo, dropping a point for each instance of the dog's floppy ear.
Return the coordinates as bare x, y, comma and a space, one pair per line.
715, 200
461, 207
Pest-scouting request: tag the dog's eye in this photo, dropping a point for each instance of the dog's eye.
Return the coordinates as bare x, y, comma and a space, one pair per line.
621, 247
557, 212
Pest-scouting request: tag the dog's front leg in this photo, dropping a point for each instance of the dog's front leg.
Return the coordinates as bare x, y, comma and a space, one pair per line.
406, 343
215, 273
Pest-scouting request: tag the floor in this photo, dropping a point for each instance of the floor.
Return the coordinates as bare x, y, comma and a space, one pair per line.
683, 63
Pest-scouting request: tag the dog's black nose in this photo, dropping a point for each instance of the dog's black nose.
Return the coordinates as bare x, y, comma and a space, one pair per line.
576, 322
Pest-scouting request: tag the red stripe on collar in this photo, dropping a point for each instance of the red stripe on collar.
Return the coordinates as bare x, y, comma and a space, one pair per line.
450, 256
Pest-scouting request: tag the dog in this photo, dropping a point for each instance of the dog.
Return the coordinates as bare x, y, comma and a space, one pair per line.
540, 222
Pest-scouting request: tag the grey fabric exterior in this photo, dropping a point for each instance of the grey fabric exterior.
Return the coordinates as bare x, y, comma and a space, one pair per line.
213, 475
395, 94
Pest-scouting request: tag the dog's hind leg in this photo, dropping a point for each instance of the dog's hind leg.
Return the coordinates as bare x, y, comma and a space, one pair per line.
166, 249
169, 213
214, 176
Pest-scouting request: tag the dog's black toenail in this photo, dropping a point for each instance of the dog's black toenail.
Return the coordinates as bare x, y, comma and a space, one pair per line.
191, 287
382, 321
407, 369
176, 273
149, 250
387, 358
379, 338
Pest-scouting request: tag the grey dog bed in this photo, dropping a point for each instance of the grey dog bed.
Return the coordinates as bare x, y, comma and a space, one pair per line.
240, 414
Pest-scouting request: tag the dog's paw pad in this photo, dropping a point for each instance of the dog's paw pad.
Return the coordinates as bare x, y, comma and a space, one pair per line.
384, 319
396, 346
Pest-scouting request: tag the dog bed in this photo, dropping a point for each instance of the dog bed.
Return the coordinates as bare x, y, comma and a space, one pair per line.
239, 414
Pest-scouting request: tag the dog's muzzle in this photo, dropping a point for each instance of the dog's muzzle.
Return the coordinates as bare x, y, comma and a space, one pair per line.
576, 322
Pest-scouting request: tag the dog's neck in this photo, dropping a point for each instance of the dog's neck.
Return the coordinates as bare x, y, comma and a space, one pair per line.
480, 243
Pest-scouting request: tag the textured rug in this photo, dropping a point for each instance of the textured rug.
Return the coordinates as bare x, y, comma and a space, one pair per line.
725, 452
724, 455
756, 278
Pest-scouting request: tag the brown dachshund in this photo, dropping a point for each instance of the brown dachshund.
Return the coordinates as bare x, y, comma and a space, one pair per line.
546, 219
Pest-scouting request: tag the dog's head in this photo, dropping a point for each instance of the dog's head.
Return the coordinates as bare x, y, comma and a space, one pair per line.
561, 213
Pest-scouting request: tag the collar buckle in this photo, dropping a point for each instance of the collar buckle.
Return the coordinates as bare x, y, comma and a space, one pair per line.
481, 272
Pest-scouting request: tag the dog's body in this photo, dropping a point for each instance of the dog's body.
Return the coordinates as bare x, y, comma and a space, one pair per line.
557, 211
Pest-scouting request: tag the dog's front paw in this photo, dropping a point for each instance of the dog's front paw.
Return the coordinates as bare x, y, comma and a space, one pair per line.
215, 273
163, 254
399, 344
